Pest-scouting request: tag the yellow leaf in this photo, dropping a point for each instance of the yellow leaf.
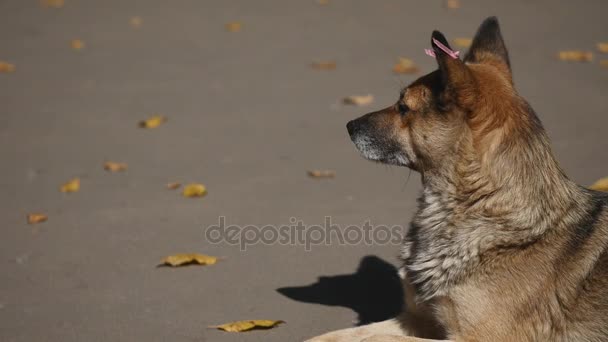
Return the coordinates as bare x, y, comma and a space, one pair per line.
321, 173
136, 22
602, 47
405, 66
36, 218
359, 100
77, 44
234, 26
6, 67
463, 42
194, 190
72, 185
114, 167
173, 186
241, 326
188, 259
325, 65
153, 122
453, 4
53, 3
575, 56
600, 185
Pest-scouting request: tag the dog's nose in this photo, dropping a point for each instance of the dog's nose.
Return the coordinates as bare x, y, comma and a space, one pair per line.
351, 126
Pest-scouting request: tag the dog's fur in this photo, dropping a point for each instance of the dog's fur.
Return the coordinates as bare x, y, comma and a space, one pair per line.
503, 247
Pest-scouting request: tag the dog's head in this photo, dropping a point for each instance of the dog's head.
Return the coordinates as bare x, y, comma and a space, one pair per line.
467, 99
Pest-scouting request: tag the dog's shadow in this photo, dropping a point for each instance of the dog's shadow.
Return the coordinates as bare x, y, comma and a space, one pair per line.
375, 291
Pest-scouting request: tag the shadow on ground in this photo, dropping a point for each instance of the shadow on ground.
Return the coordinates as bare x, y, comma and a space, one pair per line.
374, 291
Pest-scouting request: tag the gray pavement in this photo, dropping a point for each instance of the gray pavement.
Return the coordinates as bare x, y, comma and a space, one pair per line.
247, 117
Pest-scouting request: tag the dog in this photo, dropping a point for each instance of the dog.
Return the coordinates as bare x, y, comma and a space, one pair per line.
503, 246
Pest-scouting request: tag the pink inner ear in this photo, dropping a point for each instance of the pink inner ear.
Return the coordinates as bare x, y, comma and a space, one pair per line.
451, 53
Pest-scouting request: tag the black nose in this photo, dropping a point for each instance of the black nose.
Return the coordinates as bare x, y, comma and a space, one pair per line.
351, 126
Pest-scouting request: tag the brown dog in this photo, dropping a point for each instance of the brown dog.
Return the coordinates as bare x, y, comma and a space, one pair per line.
503, 247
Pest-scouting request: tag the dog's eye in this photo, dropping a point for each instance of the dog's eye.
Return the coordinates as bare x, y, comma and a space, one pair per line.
402, 108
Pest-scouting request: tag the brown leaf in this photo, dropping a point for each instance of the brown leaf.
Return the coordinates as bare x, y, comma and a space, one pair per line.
194, 190
34, 218
405, 66
241, 326
136, 22
153, 122
358, 100
575, 56
602, 47
234, 26
72, 185
321, 173
77, 44
323, 2
600, 185
114, 167
52, 3
453, 4
6, 67
325, 65
463, 42
173, 186
188, 259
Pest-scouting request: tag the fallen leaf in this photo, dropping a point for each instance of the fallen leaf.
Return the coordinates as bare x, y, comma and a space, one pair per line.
114, 167
136, 22
323, 2
359, 100
604, 63
575, 56
602, 47
77, 44
6, 67
241, 326
53, 3
600, 185
453, 4
36, 218
194, 190
234, 26
321, 173
153, 122
405, 66
72, 185
173, 186
325, 65
463, 42
188, 259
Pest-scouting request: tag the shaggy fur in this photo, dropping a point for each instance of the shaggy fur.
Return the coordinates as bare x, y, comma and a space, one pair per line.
503, 247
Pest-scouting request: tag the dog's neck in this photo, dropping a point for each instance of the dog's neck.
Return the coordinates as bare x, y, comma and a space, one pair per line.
476, 203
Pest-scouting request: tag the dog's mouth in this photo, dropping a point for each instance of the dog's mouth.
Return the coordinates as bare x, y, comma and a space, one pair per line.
379, 152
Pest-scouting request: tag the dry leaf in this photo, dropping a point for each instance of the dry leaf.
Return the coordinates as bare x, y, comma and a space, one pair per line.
359, 100
188, 259
600, 185
136, 22
114, 167
194, 190
6, 67
604, 63
173, 186
323, 2
153, 122
463, 42
575, 56
77, 44
36, 218
405, 66
321, 173
602, 47
452, 4
241, 326
71, 186
234, 26
53, 3
325, 65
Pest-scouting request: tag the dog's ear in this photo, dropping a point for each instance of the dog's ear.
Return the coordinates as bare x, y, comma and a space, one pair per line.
458, 84
489, 47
